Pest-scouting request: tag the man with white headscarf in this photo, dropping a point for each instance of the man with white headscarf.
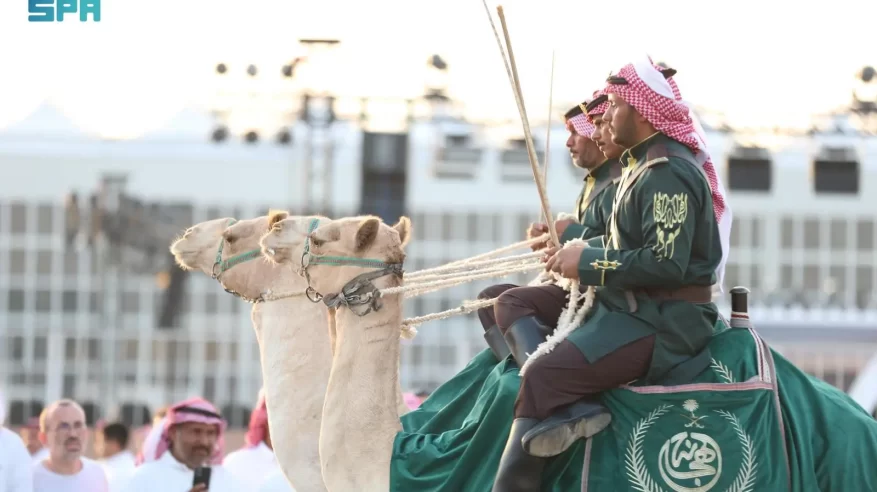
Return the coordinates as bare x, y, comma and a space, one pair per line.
192, 436
15, 461
653, 271
256, 461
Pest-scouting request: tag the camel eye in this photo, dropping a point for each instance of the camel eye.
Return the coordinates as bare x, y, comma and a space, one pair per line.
317, 242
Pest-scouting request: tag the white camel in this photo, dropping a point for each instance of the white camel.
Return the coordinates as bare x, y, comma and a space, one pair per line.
294, 344
360, 420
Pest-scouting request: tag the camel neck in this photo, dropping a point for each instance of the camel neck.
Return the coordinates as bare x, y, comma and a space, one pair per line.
360, 415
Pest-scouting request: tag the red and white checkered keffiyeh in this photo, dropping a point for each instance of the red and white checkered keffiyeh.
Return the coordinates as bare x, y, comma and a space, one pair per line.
660, 102
600, 108
580, 124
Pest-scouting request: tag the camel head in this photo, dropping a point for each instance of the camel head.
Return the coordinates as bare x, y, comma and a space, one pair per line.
284, 242
340, 250
196, 249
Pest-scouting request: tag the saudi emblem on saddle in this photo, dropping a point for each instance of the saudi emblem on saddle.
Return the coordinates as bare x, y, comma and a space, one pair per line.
722, 433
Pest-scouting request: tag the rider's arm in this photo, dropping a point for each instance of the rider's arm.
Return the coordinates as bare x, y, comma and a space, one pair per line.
668, 211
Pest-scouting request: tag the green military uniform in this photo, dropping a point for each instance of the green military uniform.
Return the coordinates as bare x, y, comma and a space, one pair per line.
598, 190
662, 237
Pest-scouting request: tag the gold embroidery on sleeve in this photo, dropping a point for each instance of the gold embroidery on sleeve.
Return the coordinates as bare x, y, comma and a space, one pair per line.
670, 213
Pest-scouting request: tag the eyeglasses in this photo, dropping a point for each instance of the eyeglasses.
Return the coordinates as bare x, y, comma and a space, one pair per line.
68, 427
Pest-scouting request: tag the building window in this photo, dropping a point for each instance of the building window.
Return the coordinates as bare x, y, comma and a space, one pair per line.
44, 262
69, 300
15, 300
40, 348
787, 232
749, 173
787, 277
17, 261
811, 278
836, 176
16, 349
18, 212
756, 232
45, 214
94, 302
865, 235
447, 227
44, 301
71, 262
131, 302
735, 231
211, 303
811, 234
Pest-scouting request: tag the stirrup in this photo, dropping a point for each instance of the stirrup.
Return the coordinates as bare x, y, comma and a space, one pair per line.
497, 343
557, 433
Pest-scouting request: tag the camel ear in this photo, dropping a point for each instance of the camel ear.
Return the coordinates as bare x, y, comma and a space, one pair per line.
403, 227
367, 233
275, 216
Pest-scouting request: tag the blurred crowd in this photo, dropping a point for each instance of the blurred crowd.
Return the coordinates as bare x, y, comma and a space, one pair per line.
183, 450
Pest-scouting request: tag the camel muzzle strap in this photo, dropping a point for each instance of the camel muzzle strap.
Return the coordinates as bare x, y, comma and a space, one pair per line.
362, 292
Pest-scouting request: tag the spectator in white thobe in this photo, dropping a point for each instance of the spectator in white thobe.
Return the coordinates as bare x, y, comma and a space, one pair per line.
192, 436
255, 461
15, 462
111, 445
63, 432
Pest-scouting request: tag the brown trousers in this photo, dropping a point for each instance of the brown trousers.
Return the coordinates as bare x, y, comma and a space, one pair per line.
546, 302
562, 376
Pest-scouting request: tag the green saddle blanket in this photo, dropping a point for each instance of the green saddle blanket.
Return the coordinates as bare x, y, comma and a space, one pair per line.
752, 422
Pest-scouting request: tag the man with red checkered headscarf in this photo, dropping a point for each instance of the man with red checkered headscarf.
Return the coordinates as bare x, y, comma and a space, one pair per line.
524, 316
192, 436
653, 270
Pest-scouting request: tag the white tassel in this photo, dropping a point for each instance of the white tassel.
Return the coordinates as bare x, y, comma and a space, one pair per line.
570, 318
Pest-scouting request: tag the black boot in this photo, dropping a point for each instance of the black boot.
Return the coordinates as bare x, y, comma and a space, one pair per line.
497, 343
525, 335
519, 471
554, 435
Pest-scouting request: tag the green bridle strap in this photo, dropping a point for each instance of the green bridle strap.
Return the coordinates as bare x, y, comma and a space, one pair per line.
309, 259
221, 266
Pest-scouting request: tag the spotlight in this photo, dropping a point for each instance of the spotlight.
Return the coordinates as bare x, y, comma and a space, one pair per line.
284, 137
221, 68
438, 63
219, 134
251, 70
251, 137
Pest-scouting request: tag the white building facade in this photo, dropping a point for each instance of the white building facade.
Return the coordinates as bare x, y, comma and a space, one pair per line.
82, 321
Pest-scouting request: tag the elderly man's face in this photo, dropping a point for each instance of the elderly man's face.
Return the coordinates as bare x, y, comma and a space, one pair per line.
65, 433
193, 442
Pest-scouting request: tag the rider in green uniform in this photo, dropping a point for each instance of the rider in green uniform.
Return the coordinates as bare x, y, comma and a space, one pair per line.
653, 271
531, 312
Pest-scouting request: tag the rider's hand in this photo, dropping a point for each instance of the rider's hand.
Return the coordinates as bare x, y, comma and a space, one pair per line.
564, 261
199, 488
536, 230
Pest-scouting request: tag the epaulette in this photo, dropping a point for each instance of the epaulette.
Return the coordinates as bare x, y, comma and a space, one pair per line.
656, 151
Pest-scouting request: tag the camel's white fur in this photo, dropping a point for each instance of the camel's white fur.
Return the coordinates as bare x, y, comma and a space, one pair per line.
359, 416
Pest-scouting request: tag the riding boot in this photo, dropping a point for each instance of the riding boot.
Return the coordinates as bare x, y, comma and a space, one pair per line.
519, 471
525, 335
568, 424
497, 343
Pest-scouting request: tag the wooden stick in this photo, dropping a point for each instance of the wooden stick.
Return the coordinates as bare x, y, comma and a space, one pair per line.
528, 134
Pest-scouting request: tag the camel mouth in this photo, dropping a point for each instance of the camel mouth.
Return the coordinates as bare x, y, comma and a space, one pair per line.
186, 260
